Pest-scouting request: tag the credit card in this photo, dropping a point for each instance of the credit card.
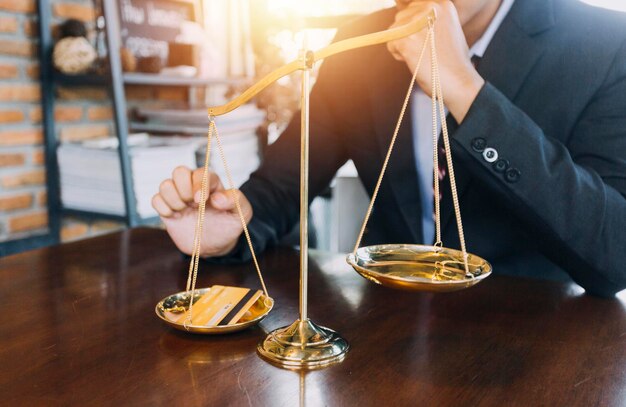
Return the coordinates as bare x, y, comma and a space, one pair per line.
215, 312
221, 305
202, 304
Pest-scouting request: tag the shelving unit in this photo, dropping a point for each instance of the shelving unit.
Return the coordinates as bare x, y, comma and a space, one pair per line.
114, 80
139, 79
165, 128
161, 80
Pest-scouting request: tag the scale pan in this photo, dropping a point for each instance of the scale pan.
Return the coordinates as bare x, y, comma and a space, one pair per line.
418, 267
170, 308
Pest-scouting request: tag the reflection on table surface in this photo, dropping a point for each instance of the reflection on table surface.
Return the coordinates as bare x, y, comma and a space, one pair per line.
82, 330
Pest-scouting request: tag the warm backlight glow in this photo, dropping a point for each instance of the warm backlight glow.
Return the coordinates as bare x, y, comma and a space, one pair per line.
319, 8
291, 40
619, 5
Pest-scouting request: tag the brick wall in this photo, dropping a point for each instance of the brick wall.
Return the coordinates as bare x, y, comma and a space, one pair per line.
22, 175
80, 113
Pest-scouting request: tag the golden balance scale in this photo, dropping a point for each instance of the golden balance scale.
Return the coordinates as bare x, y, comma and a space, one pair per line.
304, 344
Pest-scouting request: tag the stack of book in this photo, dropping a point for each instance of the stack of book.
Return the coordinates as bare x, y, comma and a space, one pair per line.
241, 151
91, 179
237, 130
196, 121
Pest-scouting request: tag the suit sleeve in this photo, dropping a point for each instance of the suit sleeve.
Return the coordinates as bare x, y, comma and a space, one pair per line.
571, 195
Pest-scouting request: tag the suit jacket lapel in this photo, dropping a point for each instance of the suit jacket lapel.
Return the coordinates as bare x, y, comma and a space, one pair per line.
510, 57
387, 95
516, 48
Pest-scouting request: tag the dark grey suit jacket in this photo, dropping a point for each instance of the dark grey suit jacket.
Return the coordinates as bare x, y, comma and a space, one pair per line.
553, 107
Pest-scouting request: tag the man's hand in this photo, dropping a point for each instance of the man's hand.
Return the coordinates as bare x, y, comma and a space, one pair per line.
177, 204
459, 80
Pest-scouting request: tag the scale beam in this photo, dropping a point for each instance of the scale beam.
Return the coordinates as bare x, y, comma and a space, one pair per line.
333, 49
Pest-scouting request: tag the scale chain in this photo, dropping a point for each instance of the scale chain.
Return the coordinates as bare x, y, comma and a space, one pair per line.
233, 191
391, 145
446, 142
437, 107
434, 69
195, 257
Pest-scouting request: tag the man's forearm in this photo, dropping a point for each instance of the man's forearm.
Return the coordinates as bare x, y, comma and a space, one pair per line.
578, 218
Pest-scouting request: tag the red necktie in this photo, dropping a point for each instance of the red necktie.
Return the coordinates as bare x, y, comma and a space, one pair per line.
441, 151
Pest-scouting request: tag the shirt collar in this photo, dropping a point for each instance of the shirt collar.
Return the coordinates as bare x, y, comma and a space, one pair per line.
480, 46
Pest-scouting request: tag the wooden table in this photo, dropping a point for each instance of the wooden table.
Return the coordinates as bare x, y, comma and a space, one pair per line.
78, 328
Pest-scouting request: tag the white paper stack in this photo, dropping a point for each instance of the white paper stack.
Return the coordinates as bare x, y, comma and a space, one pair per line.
196, 121
242, 155
91, 179
237, 130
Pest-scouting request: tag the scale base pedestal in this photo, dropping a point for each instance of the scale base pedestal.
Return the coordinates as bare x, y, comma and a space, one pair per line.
303, 345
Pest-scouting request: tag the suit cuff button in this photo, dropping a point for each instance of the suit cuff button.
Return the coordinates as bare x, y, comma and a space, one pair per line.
512, 175
501, 165
490, 154
479, 144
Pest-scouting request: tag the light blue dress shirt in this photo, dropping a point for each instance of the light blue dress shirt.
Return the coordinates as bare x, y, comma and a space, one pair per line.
421, 115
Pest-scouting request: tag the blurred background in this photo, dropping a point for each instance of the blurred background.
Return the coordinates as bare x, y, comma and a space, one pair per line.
101, 99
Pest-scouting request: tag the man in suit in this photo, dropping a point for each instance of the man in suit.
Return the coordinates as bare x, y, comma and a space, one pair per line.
538, 136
